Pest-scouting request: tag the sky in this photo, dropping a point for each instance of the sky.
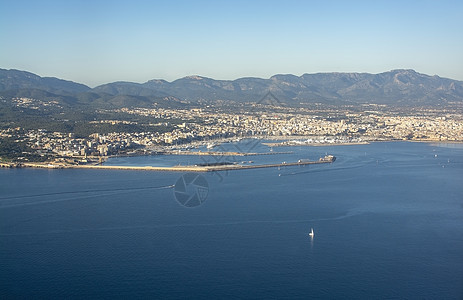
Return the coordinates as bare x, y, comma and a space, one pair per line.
96, 42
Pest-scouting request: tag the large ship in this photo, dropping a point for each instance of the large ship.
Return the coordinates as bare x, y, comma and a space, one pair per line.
328, 158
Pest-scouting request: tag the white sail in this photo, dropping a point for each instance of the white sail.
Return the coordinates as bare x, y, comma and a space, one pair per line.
311, 232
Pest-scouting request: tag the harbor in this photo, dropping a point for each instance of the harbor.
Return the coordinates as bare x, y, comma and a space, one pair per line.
218, 153
178, 168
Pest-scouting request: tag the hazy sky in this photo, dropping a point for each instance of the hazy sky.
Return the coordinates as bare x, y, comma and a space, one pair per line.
95, 42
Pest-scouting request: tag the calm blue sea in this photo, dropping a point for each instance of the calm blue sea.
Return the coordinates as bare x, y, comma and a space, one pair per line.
388, 222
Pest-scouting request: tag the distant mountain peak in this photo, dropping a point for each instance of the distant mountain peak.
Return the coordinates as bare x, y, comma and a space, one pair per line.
395, 87
403, 71
16, 79
157, 81
195, 77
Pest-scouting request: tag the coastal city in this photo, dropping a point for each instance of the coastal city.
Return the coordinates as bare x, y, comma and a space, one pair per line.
231, 149
208, 125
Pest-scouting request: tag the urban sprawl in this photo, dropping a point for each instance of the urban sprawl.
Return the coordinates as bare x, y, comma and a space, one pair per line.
200, 126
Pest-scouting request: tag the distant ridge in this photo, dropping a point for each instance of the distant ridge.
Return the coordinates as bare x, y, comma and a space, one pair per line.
401, 87
15, 80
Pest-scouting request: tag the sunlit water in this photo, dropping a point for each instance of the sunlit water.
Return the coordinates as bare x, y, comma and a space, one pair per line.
388, 222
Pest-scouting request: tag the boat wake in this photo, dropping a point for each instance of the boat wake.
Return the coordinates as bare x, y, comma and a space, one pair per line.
9, 202
180, 225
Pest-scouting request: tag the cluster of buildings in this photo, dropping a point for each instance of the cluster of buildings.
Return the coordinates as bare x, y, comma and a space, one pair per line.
370, 125
36, 104
212, 123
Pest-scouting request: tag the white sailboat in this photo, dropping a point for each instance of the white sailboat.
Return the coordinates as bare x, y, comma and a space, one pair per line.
311, 234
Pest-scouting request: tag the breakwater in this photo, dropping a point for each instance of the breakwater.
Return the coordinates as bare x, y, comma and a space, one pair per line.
179, 168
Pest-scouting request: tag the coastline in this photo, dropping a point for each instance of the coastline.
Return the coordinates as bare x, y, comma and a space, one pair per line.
284, 144
195, 168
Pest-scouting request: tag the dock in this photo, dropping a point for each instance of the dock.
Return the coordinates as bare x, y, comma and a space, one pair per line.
187, 168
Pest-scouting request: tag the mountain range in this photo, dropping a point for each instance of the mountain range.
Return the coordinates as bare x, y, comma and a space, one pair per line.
397, 87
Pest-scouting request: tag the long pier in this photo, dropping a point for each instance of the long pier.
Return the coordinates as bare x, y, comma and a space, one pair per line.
189, 168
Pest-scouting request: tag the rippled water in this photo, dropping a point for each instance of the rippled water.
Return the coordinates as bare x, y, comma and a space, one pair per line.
387, 219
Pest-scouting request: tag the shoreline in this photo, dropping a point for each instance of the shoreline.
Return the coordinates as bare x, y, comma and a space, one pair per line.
284, 144
193, 168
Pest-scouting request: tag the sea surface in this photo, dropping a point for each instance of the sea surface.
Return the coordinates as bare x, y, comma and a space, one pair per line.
387, 217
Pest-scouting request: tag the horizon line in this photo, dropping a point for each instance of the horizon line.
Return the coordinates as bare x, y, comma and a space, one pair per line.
237, 78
